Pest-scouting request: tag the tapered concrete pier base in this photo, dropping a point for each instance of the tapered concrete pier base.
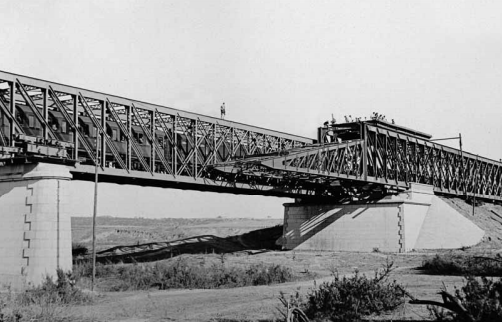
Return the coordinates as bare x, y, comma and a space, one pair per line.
35, 227
415, 219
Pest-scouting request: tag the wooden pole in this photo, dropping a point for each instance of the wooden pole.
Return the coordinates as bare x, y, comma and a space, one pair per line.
94, 214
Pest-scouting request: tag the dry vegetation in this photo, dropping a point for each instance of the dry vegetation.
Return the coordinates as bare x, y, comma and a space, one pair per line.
259, 285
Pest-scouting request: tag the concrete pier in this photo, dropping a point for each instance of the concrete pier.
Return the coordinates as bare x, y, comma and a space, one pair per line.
35, 226
415, 219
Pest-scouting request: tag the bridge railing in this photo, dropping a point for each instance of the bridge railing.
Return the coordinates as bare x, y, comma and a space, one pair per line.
133, 135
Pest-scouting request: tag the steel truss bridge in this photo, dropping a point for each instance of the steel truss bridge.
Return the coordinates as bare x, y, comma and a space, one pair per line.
145, 144
368, 159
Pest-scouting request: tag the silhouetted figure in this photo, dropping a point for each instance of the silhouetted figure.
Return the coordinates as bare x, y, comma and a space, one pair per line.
222, 110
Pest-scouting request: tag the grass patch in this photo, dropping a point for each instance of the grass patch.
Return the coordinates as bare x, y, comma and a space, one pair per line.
181, 273
463, 265
347, 298
51, 301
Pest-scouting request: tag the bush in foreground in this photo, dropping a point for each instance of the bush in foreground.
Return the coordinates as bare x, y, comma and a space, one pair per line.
183, 274
349, 298
479, 300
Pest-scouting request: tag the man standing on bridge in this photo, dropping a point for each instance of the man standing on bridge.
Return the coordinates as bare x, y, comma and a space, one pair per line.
222, 109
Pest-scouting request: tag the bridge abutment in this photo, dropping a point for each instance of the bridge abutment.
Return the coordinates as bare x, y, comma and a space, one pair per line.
415, 219
35, 227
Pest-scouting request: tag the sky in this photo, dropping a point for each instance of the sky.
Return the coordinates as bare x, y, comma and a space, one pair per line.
433, 66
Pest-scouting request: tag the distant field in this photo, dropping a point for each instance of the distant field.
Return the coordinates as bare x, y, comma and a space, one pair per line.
114, 231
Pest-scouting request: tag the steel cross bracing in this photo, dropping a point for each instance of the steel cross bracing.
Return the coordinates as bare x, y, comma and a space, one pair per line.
380, 159
55, 122
143, 141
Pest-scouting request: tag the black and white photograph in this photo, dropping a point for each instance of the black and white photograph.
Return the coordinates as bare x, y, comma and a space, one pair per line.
250, 160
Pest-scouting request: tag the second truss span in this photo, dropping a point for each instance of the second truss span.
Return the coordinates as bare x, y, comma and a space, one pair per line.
359, 160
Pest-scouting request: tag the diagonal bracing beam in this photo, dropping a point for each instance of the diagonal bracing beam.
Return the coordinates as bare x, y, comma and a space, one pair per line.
185, 159
2, 139
34, 108
69, 120
153, 143
169, 136
94, 120
134, 144
11, 117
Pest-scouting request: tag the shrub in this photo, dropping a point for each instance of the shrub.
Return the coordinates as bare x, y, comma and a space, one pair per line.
63, 291
78, 250
479, 300
351, 298
182, 274
463, 265
48, 302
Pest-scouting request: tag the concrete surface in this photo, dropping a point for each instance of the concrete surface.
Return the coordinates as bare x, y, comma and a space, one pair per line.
35, 229
415, 219
444, 227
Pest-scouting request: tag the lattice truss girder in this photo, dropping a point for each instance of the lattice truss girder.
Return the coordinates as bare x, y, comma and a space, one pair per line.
134, 135
400, 159
382, 157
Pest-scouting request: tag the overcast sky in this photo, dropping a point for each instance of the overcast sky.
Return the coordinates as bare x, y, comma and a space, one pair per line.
434, 66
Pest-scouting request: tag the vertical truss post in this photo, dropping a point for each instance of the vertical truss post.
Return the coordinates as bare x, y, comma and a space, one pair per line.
215, 150
128, 137
232, 134
45, 114
461, 176
433, 164
103, 133
168, 144
175, 146
153, 142
441, 168
12, 110
386, 154
375, 155
75, 128
196, 148
393, 150
405, 162
364, 132
248, 151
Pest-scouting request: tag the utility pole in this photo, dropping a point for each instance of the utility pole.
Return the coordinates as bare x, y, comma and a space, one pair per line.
95, 213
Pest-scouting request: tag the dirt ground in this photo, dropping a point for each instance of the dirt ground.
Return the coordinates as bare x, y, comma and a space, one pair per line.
261, 303
113, 231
